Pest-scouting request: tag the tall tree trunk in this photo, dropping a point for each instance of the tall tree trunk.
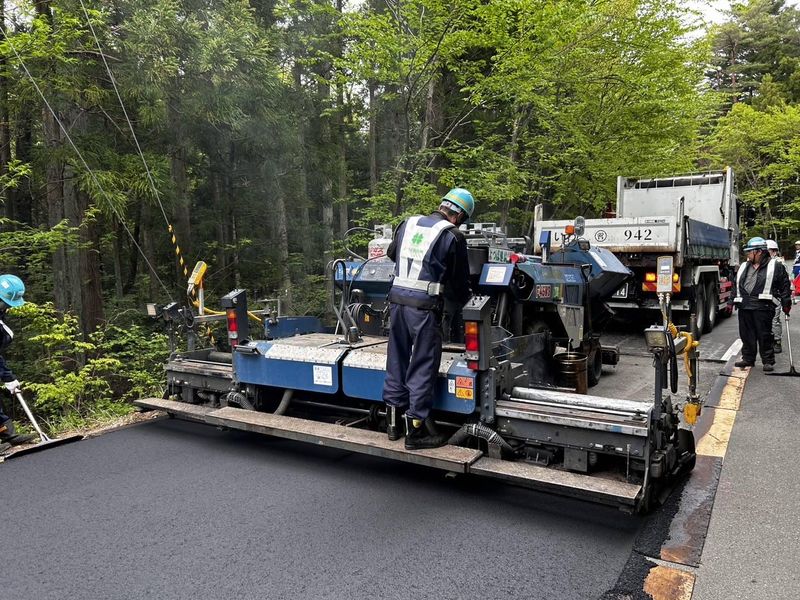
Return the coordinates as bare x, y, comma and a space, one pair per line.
148, 246
133, 252
373, 142
5, 133
281, 224
54, 175
216, 192
119, 245
341, 142
91, 268
181, 212
21, 197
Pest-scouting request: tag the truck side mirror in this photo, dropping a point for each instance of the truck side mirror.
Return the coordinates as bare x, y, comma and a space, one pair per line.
580, 226
749, 216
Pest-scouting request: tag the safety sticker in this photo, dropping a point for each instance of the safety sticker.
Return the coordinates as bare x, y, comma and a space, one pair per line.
465, 382
323, 375
451, 386
495, 274
464, 393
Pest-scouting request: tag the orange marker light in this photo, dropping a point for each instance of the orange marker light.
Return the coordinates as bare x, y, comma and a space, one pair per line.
569, 230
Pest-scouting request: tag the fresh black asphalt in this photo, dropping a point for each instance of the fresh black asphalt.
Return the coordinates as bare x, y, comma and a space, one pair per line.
170, 509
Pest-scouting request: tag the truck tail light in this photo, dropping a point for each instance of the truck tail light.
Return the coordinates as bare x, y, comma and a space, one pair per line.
650, 277
471, 336
233, 326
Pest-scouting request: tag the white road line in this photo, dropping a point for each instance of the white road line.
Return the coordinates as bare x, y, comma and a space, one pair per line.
734, 349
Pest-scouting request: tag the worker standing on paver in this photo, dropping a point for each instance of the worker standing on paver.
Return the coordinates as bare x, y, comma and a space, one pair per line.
777, 330
12, 291
758, 283
430, 255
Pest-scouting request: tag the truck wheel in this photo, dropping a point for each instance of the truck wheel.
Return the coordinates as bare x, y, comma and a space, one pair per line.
712, 301
700, 309
594, 366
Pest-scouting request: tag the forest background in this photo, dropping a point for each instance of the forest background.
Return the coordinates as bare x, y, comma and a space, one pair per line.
252, 134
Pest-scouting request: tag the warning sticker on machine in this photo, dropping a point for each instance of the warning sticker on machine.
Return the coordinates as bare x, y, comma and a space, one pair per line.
451, 386
465, 382
323, 375
495, 274
464, 393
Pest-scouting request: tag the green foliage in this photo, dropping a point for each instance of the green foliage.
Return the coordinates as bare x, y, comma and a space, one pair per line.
75, 383
763, 147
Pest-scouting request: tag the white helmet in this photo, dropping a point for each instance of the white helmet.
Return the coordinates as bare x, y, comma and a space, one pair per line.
797, 243
772, 245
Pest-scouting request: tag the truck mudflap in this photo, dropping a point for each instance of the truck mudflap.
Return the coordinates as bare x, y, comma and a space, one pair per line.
448, 458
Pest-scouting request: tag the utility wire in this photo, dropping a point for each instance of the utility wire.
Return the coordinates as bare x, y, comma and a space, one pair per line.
83, 161
136, 141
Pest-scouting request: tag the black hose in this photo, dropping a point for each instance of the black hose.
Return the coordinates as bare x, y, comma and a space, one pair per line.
481, 431
284, 405
673, 365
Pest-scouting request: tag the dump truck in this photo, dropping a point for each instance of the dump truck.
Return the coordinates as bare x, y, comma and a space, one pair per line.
693, 219
511, 394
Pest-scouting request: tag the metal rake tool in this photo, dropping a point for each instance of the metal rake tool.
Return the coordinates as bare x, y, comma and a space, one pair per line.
46, 441
791, 372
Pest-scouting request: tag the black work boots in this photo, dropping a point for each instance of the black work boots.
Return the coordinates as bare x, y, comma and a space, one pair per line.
422, 434
9, 436
394, 423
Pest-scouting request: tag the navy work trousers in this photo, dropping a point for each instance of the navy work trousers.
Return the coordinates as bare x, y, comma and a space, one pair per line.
755, 329
412, 363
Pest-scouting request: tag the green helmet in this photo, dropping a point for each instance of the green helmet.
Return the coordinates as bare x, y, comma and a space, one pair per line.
12, 290
459, 199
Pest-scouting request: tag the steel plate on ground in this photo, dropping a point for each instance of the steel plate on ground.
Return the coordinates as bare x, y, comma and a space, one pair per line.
192, 412
449, 458
548, 479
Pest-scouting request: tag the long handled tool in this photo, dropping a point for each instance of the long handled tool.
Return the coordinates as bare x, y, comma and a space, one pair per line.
46, 441
791, 372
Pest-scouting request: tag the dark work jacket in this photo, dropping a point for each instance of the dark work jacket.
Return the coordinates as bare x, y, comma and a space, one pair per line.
5, 340
446, 263
781, 287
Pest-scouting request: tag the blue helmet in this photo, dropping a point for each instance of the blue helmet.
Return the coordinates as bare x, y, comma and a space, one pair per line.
459, 199
12, 290
756, 243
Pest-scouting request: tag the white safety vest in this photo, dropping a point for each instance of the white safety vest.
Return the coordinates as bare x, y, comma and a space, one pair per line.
766, 293
417, 242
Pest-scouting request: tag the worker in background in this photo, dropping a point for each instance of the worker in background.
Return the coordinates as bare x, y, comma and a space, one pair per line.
759, 283
796, 266
777, 331
430, 255
12, 291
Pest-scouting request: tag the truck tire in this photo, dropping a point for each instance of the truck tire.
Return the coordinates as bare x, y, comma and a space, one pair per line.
700, 309
594, 366
712, 301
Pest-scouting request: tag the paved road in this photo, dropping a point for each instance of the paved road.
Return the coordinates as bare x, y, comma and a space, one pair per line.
177, 510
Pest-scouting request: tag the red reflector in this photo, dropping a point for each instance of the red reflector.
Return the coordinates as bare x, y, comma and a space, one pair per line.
517, 258
233, 327
471, 342
472, 364
232, 324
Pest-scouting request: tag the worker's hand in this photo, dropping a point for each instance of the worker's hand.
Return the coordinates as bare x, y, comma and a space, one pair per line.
787, 308
13, 386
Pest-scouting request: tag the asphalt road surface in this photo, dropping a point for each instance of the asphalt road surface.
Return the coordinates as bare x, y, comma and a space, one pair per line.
171, 509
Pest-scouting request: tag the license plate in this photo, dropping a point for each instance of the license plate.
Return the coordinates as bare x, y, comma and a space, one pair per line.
499, 255
621, 292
